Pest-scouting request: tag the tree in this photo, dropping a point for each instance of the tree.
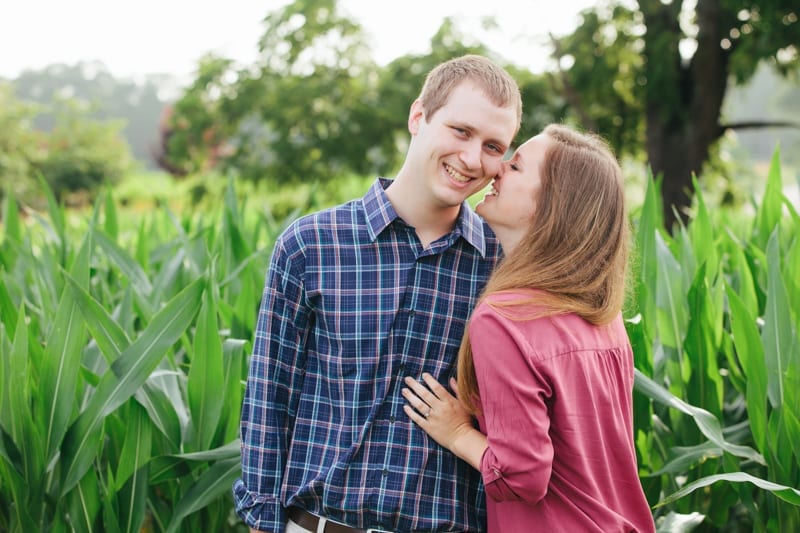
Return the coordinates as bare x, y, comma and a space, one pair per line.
656, 75
139, 103
21, 145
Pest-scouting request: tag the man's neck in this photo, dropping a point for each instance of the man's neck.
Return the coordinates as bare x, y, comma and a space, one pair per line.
430, 221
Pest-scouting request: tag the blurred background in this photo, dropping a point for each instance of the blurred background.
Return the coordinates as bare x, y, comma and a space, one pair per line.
314, 90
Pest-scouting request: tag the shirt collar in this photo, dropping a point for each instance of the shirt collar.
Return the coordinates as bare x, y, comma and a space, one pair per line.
380, 213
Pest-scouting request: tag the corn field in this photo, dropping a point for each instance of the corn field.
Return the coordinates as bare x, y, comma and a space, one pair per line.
124, 356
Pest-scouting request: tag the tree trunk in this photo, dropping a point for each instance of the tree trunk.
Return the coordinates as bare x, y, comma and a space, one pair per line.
683, 101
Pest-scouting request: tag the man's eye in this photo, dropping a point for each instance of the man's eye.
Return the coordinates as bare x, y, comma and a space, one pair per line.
496, 149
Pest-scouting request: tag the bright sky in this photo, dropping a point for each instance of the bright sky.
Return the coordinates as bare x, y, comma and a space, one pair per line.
169, 36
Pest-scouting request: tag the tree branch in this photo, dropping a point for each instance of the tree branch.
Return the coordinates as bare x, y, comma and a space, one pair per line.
758, 124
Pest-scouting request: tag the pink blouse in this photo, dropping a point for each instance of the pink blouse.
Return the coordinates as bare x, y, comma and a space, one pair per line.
556, 401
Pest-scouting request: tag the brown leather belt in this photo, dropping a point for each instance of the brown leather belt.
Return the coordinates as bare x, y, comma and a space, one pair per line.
309, 521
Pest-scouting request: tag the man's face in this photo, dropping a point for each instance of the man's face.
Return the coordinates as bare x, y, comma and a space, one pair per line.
460, 148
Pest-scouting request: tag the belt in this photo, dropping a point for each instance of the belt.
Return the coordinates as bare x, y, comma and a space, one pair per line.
309, 521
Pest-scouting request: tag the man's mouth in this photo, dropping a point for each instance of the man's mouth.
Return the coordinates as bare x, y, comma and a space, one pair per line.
456, 175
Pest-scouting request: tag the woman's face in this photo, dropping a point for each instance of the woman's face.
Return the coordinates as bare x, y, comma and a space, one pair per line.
510, 204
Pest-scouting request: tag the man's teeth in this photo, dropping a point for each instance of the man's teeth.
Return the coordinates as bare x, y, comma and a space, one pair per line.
456, 175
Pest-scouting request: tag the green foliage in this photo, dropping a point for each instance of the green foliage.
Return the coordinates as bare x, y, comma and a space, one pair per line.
78, 154
652, 76
20, 144
718, 354
83, 154
314, 105
140, 102
114, 341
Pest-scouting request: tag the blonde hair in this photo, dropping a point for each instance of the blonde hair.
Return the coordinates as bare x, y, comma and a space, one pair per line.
496, 83
576, 250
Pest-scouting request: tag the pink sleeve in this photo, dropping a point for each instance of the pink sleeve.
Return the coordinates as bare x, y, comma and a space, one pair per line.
518, 461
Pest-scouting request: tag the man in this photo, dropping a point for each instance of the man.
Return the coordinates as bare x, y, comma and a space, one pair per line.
356, 298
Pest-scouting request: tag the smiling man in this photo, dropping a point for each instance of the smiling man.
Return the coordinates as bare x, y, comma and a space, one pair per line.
356, 298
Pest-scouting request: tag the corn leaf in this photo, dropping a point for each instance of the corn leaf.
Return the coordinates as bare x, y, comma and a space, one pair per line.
750, 352
62, 360
705, 384
768, 215
777, 334
131, 481
783, 492
127, 264
670, 297
212, 484
206, 375
707, 423
125, 376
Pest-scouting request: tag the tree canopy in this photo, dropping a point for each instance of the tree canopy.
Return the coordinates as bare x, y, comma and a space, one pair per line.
656, 75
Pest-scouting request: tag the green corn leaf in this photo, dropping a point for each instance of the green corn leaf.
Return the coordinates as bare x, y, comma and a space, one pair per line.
135, 447
791, 272
166, 467
111, 225
61, 362
707, 423
24, 430
234, 356
650, 222
670, 297
56, 215
107, 333
769, 211
206, 375
212, 484
127, 264
112, 341
84, 504
131, 481
169, 275
701, 234
783, 492
8, 311
750, 352
125, 376
777, 334
687, 457
12, 231
705, 388
741, 278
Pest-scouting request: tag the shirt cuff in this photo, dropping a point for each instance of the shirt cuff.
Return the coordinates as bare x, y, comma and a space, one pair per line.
260, 512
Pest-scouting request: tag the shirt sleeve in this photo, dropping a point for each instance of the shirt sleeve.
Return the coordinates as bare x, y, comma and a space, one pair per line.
273, 388
517, 463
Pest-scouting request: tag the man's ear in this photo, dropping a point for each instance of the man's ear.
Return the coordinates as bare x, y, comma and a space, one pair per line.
415, 115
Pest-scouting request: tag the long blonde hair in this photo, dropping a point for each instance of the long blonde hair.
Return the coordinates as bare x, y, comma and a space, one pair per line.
576, 250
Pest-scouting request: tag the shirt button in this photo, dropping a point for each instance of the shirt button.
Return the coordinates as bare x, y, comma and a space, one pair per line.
392, 419
410, 312
385, 472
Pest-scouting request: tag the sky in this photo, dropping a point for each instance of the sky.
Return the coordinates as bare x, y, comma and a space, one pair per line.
169, 36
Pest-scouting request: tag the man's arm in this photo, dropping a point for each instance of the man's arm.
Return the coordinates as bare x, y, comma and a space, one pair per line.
273, 388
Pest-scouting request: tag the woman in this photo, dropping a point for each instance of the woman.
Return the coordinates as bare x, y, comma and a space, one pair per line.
546, 364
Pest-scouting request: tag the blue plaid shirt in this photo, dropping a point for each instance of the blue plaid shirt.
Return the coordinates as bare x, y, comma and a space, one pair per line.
353, 303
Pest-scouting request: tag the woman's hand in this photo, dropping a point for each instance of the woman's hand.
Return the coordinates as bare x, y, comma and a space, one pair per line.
443, 417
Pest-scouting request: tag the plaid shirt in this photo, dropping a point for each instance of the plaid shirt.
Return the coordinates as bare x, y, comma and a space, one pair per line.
353, 303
